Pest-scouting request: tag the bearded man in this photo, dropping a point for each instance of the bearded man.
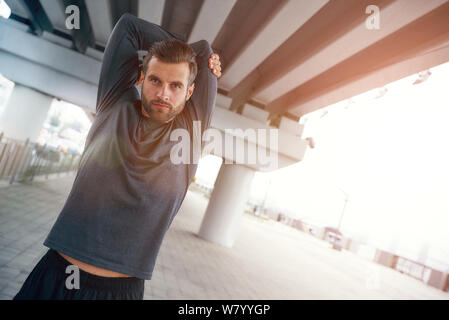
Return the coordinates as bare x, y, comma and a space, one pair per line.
127, 191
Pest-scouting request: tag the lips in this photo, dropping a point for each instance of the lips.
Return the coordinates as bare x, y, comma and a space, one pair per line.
160, 106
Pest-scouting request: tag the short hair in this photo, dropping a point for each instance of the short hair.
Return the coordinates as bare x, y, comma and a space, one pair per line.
172, 51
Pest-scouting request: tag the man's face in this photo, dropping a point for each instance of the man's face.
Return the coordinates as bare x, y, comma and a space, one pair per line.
165, 90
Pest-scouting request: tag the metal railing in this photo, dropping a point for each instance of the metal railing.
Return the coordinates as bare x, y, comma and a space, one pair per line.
21, 160
412, 268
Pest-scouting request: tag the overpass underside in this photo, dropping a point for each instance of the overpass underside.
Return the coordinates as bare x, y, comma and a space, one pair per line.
281, 60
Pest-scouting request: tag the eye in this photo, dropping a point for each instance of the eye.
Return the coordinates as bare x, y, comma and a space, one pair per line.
176, 85
154, 80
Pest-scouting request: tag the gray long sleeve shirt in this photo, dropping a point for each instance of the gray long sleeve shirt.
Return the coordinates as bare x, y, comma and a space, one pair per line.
127, 191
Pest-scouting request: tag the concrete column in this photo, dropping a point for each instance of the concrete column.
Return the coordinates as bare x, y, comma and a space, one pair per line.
227, 203
353, 246
385, 258
437, 279
24, 114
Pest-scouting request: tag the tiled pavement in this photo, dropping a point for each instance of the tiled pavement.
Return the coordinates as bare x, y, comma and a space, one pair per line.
268, 261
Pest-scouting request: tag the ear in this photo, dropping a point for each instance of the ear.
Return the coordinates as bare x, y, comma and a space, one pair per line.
190, 91
140, 79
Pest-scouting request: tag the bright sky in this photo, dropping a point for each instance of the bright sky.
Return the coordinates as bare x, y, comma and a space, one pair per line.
390, 155
68, 112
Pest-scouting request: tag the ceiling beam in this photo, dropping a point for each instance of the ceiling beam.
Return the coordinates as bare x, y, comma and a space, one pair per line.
38, 50
84, 36
424, 61
48, 80
151, 10
393, 17
331, 22
180, 16
212, 15
274, 33
245, 21
120, 7
167, 13
55, 11
38, 18
418, 36
46, 66
99, 11
259, 105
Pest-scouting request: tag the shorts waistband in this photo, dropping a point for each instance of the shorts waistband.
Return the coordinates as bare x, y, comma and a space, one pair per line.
92, 280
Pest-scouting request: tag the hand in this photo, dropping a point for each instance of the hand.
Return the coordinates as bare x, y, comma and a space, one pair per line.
215, 65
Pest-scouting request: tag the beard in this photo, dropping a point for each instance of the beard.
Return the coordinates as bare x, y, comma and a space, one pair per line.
161, 116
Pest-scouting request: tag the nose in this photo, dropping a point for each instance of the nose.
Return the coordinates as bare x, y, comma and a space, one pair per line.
163, 93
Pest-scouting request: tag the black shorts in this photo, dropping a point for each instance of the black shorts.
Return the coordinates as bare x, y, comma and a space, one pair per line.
49, 281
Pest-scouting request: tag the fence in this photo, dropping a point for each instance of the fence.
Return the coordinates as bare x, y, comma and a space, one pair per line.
22, 161
413, 268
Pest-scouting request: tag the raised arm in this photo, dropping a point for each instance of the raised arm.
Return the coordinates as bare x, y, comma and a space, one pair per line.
119, 69
203, 99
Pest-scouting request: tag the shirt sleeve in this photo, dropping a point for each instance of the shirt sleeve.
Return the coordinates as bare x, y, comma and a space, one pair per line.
201, 104
120, 66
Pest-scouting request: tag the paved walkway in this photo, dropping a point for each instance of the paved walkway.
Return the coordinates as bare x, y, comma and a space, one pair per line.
268, 261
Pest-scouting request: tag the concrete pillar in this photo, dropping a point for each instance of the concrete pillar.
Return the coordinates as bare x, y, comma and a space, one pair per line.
345, 243
353, 246
320, 233
437, 279
227, 203
24, 114
385, 258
